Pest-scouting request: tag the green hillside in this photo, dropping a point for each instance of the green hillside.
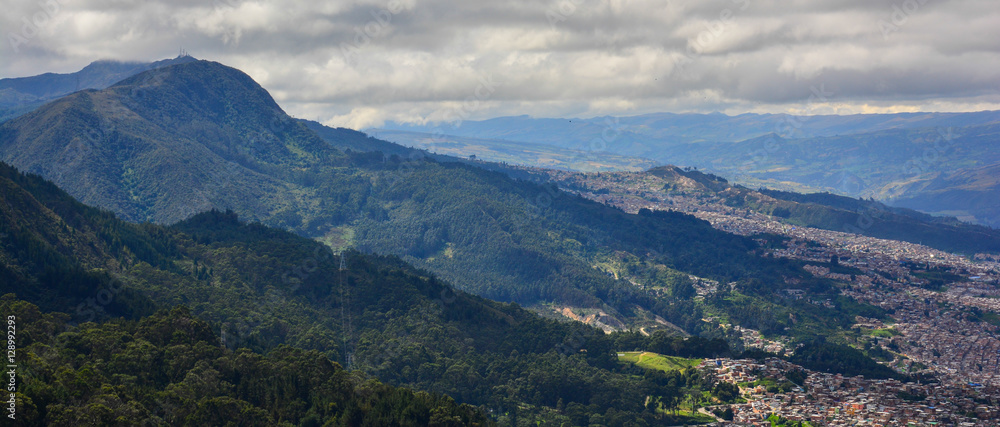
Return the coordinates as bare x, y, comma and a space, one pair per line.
166, 144
271, 292
650, 360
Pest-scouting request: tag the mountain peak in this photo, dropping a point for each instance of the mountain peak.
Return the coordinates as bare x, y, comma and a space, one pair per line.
23, 94
210, 87
217, 135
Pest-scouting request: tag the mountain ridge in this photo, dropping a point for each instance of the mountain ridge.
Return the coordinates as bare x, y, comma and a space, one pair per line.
20, 95
214, 289
121, 130
891, 157
163, 155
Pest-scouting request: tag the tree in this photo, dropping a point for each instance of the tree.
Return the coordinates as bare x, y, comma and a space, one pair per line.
726, 392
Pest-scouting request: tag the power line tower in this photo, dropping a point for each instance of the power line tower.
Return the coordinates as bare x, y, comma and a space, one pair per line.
345, 315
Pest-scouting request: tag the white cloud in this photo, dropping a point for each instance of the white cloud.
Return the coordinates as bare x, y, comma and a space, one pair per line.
423, 59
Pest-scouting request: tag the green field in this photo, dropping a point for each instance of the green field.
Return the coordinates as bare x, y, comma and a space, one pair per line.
658, 361
687, 418
883, 333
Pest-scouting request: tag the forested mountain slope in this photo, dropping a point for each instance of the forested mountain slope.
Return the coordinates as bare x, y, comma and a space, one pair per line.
168, 143
260, 288
20, 95
168, 369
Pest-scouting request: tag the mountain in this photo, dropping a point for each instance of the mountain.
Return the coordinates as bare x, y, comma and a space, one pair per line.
646, 135
320, 294
894, 158
522, 153
936, 170
20, 95
166, 133
168, 143
971, 194
266, 312
197, 137
65, 256
693, 191
348, 139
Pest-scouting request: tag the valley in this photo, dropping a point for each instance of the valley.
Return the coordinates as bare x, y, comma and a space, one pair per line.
942, 306
558, 213
475, 292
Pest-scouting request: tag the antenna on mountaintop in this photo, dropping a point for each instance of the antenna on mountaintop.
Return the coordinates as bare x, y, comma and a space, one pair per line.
183, 53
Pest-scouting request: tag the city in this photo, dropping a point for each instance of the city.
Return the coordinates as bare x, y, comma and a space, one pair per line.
951, 333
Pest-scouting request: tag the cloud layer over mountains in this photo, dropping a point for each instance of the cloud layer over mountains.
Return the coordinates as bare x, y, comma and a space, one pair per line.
359, 63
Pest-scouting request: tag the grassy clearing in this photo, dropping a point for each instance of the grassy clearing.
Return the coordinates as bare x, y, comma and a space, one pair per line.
658, 361
687, 418
884, 333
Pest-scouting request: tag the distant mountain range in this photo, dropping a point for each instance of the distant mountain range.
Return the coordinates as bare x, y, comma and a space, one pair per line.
644, 135
938, 163
22, 94
945, 171
516, 152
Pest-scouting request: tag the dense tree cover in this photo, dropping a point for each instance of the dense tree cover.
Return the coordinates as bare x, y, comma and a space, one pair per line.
57, 252
775, 313
817, 354
409, 328
823, 356
507, 247
726, 391
262, 290
169, 369
797, 377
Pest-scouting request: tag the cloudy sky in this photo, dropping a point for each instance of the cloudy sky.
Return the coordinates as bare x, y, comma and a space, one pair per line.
360, 63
